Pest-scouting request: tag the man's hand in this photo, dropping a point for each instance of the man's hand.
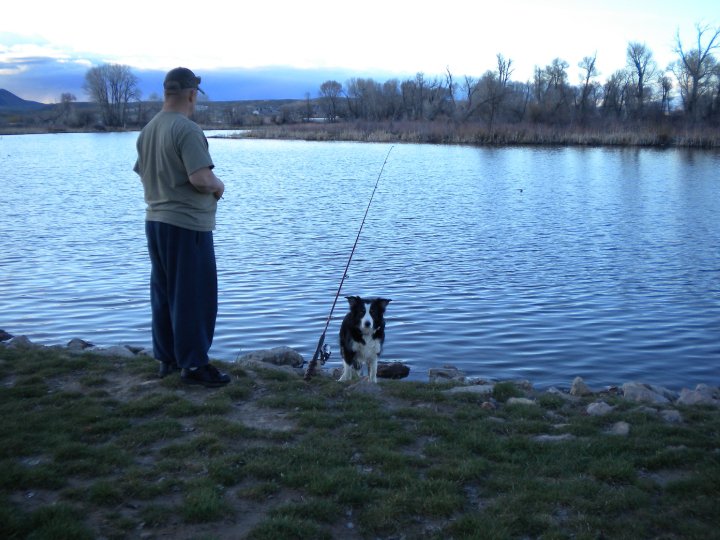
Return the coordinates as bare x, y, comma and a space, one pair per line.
205, 181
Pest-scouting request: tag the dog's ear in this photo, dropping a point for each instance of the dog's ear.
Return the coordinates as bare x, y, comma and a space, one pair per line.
383, 302
353, 300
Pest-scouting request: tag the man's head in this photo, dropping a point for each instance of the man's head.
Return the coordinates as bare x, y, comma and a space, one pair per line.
181, 88
180, 79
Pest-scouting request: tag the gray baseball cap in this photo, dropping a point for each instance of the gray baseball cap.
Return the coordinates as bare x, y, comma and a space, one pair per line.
181, 78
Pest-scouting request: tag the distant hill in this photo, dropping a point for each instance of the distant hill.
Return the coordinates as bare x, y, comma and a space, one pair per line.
9, 101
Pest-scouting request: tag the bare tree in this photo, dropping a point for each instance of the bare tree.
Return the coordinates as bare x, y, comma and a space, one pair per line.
665, 85
493, 89
112, 87
470, 88
451, 88
551, 91
66, 106
391, 100
615, 94
330, 92
587, 73
695, 67
642, 69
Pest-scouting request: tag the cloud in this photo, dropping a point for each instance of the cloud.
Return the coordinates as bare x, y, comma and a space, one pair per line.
41, 78
44, 79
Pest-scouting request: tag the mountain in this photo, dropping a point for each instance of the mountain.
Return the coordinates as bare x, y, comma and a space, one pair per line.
9, 101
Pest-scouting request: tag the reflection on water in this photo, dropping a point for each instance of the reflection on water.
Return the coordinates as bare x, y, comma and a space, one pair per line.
508, 262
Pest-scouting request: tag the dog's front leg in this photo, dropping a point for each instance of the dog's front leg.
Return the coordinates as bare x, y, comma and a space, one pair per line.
372, 369
348, 372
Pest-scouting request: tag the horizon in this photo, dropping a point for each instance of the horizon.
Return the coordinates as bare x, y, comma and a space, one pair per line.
40, 58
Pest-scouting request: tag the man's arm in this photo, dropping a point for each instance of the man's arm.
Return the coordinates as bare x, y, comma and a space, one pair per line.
205, 181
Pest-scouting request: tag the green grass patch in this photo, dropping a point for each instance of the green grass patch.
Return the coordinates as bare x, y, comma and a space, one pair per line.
84, 457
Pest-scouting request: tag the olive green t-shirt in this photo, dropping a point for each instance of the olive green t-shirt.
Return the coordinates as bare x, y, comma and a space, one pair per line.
170, 148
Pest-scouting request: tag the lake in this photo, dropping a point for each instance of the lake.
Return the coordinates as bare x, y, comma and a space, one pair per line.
535, 263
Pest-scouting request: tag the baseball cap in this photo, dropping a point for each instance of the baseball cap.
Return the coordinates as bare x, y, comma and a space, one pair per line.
181, 78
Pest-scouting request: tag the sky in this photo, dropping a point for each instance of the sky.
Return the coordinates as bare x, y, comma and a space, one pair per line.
48, 45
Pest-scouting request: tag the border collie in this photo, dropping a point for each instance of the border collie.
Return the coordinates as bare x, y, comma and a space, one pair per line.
362, 334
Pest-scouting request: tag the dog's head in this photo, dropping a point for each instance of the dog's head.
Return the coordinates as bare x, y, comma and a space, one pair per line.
368, 313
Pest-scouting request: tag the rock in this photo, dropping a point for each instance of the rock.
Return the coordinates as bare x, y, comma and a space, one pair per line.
257, 364
482, 389
645, 393
522, 384
519, 401
115, 350
579, 388
279, 356
599, 408
446, 373
488, 406
619, 428
395, 370
554, 438
77, 344
702, 395
363, 386
671, 416
21, 342
4, 336
665, 392
559, 393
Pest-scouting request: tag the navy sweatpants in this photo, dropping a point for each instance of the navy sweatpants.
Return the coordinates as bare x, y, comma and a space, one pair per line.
183, 293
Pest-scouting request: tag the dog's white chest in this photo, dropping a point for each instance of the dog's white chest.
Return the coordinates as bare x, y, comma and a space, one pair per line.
371, 348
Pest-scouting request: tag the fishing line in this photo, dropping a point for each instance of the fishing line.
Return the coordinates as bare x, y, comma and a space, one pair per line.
323, 353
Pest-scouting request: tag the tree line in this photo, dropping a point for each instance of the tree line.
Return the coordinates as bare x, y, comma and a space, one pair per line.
642, 91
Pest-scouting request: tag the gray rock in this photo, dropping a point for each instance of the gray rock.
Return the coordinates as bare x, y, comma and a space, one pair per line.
619, 428
446, 373
564, 395
115, 350
554, 438
671, 416
257, 364
599, 408
643, 393
520, 401
364, 386
579, 388
482, 389
279, 356
22, 342
77, 344
702, 395
665, 392
4, 336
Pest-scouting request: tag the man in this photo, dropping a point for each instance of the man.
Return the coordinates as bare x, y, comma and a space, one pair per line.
181, 192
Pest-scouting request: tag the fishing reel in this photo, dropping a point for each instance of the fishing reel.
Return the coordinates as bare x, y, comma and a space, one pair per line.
325, 353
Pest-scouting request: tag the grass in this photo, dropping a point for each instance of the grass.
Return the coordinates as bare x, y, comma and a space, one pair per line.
99, 447
477, 134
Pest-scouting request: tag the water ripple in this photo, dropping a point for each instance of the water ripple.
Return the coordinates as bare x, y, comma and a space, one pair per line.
606, 265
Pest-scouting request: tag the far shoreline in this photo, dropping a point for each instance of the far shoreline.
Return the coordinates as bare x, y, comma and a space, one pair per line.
447, 133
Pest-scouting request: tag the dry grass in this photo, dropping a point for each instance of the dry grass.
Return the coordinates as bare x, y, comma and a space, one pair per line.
445, 132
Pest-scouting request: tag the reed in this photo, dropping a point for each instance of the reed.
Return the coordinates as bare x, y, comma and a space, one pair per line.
447, 132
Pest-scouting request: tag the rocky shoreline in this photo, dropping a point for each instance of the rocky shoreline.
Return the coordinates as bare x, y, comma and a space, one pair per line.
287, 359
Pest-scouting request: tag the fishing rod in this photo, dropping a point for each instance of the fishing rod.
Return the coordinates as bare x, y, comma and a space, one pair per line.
322, 353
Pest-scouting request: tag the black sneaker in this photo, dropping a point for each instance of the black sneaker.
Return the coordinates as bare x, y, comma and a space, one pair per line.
207, 375
167, 368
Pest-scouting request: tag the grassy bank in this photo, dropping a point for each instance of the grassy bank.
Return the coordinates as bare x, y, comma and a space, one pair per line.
97, 447
506, 135
447, 132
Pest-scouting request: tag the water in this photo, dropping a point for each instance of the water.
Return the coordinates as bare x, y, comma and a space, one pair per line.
529, 263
